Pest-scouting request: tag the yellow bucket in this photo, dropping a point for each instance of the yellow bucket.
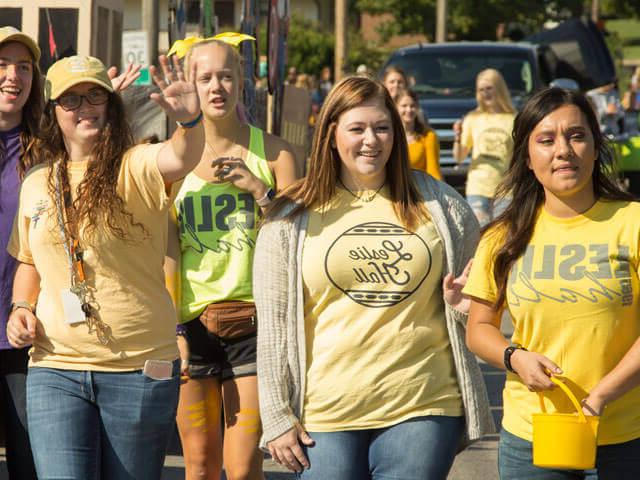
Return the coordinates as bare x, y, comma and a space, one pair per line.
564, 440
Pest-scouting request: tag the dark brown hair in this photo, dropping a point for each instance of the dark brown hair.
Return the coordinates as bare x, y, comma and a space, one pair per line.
517, 222
319, 186
31, 113
97, 203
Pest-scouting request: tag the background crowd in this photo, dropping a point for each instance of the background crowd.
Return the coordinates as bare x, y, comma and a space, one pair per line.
329, 320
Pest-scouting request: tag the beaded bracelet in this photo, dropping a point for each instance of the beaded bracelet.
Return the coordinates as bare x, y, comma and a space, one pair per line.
191, 123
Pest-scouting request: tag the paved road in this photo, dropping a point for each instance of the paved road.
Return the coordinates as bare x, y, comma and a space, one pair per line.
476, 462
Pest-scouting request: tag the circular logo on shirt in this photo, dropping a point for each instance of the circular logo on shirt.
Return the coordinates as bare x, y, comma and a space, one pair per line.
494, 142
378, 264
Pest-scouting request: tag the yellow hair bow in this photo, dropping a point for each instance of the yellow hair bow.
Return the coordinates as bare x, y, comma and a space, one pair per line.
181, 47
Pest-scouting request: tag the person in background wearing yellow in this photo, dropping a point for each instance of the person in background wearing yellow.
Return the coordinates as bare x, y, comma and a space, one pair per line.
563, 259
217, 213
21, 103
424, 147
486, 133
90, 237
362, 368
395, 80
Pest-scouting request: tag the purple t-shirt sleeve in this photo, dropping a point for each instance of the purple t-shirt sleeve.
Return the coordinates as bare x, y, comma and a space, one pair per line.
9, 194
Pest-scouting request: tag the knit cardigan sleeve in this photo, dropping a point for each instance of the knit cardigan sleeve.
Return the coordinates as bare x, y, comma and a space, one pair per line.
270, 289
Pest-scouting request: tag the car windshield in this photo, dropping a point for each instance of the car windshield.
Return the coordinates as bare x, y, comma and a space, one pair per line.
454, 73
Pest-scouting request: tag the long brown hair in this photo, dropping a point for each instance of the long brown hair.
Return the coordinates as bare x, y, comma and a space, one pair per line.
517, 222
97, 203
319, 186
31, 113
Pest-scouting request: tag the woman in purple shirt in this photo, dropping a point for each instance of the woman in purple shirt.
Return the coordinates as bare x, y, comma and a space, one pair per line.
20, 109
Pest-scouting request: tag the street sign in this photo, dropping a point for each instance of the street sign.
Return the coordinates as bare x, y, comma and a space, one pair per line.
135, 49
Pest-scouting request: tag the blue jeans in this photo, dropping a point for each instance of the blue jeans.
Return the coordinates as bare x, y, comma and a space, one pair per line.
620, 461
88, 425
485, 208
417, 449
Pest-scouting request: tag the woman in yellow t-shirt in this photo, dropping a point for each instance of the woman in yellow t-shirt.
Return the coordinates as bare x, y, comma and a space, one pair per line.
90, 238
361, 359
218, 208
563, 259
395, 80
485, 133
424, 148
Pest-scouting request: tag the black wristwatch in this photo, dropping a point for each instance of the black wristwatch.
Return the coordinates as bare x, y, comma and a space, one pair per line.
507, 355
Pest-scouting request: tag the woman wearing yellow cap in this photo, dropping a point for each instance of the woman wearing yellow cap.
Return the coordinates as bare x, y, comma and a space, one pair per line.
90, 238
218, 211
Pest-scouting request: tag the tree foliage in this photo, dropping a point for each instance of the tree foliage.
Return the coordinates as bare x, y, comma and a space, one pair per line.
478, 20
310, 48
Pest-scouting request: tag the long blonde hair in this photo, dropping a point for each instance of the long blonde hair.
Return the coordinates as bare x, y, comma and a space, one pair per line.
503, 97
319, 186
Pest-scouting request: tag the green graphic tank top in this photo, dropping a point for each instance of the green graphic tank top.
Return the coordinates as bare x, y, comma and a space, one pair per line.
218, 227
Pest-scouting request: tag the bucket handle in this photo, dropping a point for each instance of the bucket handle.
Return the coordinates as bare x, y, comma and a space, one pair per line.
569, 394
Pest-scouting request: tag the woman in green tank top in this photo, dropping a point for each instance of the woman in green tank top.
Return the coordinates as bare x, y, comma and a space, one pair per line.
217, 208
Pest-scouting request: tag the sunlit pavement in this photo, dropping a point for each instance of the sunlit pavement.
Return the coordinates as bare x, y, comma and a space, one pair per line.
476, 462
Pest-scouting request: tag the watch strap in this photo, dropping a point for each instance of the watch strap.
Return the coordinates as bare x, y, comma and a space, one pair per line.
267, 198
507, 355
21, 304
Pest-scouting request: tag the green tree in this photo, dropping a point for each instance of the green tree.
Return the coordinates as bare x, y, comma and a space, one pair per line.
309, 47
471, 19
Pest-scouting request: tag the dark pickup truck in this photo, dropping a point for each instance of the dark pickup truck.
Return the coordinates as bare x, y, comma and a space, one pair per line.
443, 75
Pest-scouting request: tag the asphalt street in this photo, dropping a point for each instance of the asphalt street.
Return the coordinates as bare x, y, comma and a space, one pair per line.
476, 462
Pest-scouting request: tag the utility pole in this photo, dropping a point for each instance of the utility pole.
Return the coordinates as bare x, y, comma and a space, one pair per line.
341, 39
150, 24
595, 11
441, 21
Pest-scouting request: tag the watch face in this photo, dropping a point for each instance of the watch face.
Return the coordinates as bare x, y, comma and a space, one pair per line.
271, 194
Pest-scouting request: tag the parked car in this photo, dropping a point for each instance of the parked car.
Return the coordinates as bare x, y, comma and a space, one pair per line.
443, 75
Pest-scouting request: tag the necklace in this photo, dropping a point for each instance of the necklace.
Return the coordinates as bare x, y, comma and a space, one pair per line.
364, 195
225, 169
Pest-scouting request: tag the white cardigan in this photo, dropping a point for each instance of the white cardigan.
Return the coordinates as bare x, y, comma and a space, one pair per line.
278, 294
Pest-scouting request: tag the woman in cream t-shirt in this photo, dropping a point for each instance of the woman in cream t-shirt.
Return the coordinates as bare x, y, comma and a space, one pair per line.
486, 134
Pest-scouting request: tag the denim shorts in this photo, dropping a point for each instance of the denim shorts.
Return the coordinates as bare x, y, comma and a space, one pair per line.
620, 461
212, 356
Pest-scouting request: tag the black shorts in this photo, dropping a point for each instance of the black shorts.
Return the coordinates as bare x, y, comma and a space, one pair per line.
211, 356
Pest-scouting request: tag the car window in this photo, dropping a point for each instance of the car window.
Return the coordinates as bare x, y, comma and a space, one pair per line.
454, 73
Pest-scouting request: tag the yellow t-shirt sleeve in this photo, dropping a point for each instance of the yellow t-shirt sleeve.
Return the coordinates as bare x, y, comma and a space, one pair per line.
18, 246
466, 137
140, 165
432, 153
481, 283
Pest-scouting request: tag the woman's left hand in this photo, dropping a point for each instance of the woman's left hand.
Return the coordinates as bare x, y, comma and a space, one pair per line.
125, 79
179, 98
234, 170
452, 288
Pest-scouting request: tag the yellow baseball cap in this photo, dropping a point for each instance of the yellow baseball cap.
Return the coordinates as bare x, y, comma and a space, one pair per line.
10, 34
70, 71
